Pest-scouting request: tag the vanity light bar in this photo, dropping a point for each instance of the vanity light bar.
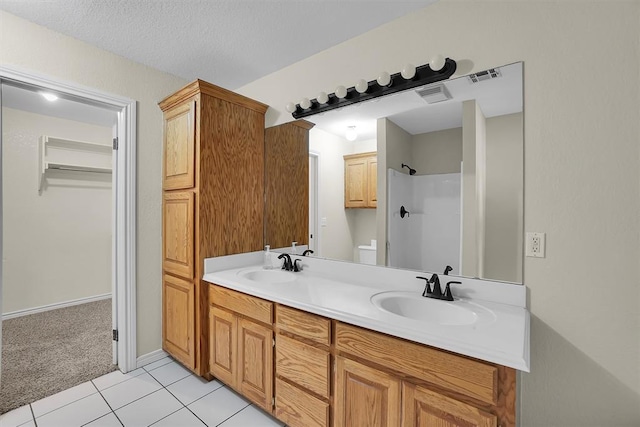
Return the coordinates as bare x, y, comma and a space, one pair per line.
423, 75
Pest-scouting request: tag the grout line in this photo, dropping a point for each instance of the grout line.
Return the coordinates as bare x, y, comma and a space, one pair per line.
166, 416
130, 378
105, 401
179, 401
60, 407
33, 415
160, 366
228, 418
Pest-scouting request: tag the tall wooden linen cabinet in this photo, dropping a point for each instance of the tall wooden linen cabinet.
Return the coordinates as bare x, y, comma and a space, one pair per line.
213, 192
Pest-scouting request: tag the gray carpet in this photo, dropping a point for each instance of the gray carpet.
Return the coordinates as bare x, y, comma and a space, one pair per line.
48, 352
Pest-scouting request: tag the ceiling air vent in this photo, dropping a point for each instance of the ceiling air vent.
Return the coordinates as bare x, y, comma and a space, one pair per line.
491, 73
433, 94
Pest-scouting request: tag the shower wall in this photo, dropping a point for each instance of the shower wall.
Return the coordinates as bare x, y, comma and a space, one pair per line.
428, 238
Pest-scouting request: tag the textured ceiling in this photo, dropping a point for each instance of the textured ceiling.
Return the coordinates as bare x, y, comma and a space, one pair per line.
227, 42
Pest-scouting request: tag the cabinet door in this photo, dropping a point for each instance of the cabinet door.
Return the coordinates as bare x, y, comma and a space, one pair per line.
365, 396
425, 408
355, 183
372, 184
178, 319
255, 363
179, 147
222, 345
178, 233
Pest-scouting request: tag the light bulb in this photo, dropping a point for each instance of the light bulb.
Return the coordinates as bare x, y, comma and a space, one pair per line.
49, 96
362, 86
351, 133
408, 72
305, 103
291, 107
437, 63
341, 92
322, 98
384, 79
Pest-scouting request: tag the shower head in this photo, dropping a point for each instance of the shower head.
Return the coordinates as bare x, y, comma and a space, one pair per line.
411, 170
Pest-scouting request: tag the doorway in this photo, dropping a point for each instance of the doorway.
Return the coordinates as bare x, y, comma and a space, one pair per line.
122, 211
314, 236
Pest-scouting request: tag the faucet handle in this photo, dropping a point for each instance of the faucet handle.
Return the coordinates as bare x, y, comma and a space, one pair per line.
297, 268
427, 289
447, 290
447, 270
437, 291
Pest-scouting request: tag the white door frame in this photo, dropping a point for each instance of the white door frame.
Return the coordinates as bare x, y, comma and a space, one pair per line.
124, 211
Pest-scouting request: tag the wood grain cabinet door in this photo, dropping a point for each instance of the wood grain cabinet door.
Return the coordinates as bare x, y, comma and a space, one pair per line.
178, 319
255, 363
425, 408
179, 147
372, 182
355, 183
178, 233
223, 345
365, 397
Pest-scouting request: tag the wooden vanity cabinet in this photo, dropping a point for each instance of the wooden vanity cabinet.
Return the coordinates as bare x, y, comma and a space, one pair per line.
365, 396
360, 180
302, 368
241, 344
319, 372
213, 146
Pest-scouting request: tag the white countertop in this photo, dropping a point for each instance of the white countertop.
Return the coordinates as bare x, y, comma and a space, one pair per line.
500, 337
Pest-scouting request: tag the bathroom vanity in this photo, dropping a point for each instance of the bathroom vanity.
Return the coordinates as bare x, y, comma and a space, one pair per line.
339, 344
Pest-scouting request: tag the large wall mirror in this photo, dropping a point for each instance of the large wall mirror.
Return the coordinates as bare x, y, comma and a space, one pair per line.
423, 179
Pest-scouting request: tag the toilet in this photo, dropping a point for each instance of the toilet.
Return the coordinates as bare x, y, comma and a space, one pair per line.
368, 253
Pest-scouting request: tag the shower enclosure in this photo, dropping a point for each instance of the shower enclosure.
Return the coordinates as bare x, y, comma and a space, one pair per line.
426, 235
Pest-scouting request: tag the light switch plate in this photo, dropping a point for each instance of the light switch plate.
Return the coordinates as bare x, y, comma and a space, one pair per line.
323, 221
535, 245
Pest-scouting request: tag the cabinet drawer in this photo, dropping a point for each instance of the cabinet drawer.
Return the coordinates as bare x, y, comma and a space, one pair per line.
459, 374
302, 364
246, 305
303, 324
299, 409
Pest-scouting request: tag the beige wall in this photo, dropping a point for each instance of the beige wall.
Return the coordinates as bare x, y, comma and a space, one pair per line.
35, 48
394, 148
582, 182
504, 225
55, 241
437, 152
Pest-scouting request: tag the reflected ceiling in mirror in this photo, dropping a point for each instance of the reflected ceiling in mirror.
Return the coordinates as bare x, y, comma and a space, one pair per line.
464, 139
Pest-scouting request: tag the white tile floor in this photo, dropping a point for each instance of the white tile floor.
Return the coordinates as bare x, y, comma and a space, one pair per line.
162, 394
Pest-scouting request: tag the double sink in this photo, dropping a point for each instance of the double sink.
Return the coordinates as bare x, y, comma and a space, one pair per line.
405, 304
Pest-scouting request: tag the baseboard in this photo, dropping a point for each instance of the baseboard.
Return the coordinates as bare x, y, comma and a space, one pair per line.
145, 359
43, 308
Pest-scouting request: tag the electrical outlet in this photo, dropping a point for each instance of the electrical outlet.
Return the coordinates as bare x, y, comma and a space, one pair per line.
535, 243
323, 221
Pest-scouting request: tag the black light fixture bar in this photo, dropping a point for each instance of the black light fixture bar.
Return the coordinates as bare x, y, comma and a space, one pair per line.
424, 75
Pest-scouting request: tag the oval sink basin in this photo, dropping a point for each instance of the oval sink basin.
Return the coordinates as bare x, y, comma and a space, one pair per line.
412, 306
268, 276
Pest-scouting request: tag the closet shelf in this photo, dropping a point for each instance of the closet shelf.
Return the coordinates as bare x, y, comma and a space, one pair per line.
69, 155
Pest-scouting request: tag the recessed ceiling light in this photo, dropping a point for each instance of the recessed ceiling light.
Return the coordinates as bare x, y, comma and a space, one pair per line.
49, 96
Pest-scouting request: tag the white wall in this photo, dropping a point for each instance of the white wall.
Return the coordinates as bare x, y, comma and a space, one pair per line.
35, 48
57, 246
582, 176
336, 238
